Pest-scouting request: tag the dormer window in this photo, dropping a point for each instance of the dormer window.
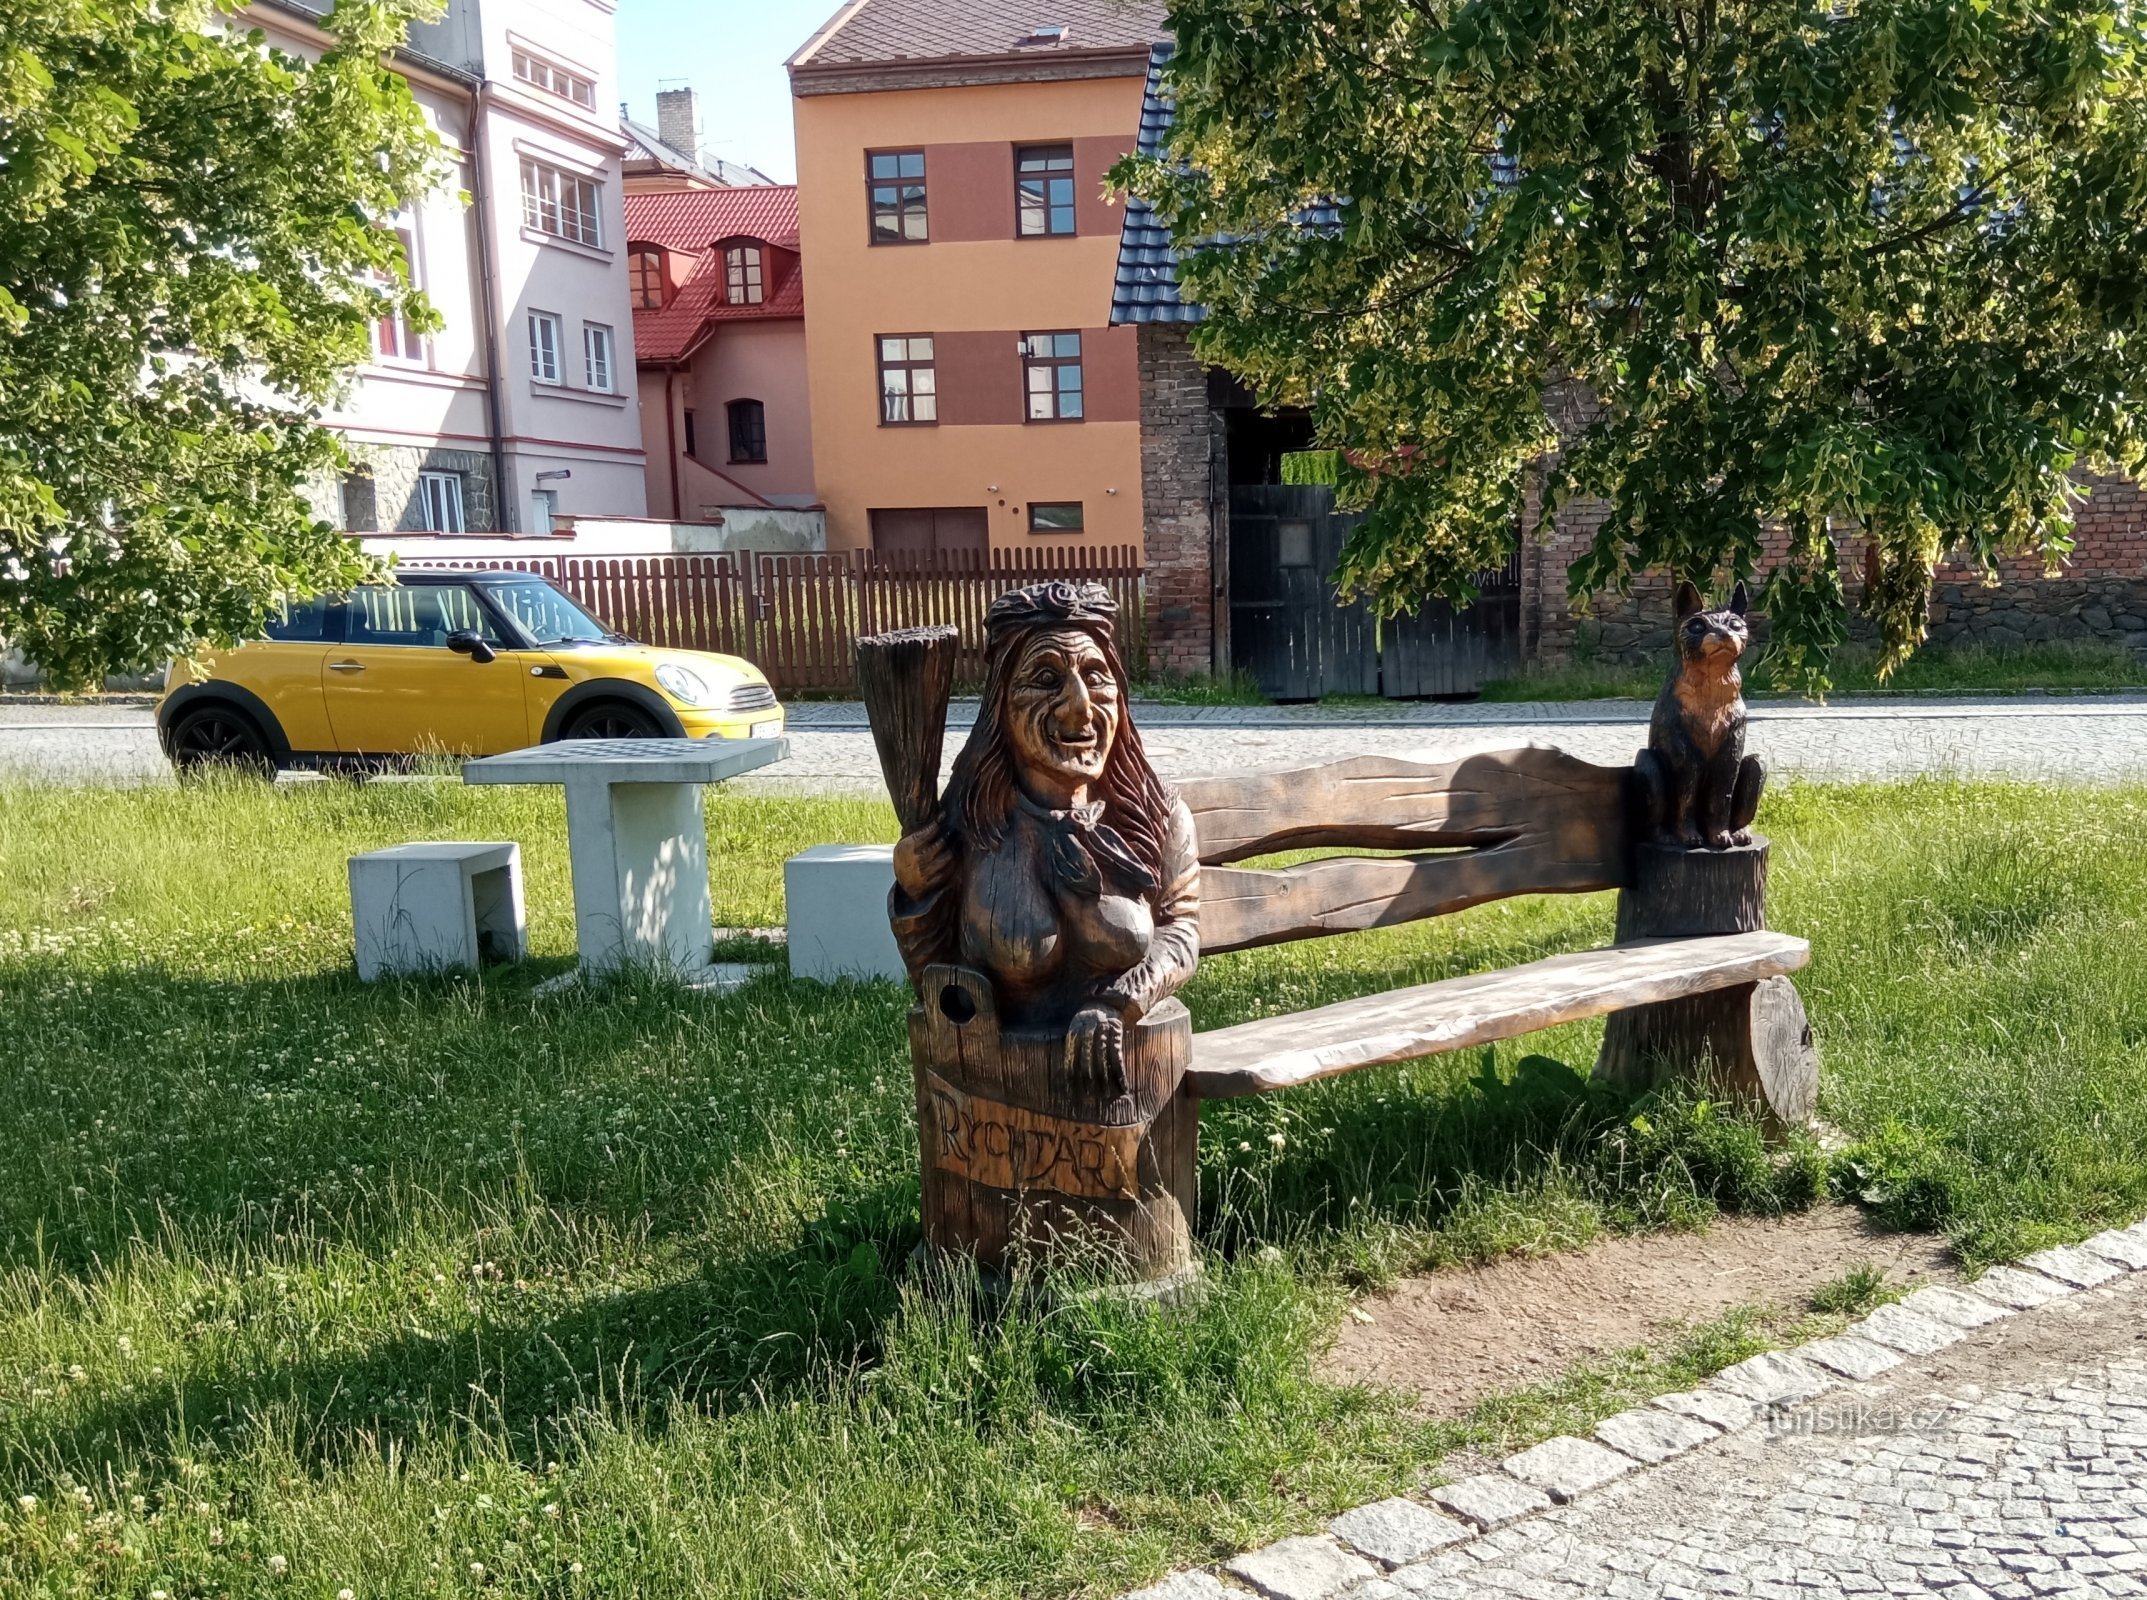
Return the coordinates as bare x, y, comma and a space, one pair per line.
644, 270
1053, 33
742, 275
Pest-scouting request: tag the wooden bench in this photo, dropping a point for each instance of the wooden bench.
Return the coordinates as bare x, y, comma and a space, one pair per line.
1695, 978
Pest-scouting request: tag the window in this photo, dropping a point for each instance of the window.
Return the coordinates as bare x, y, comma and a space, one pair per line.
741, 275
544, 347
896, 179
393, 337
1051, 376
541, 74
596, 356
644, 270
1063, 516
420, 615
749, 431
690, 450
543, 506
909, 387
559, 203
440, 500
1044, 190
360, 508
302, 621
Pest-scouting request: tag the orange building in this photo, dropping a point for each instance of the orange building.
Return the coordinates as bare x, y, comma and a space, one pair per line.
967, 387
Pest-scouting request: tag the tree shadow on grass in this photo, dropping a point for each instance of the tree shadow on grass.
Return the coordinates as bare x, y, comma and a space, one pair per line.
144, 1105
525, 1366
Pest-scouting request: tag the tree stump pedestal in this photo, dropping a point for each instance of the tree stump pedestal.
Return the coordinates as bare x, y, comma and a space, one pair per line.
1752, 1041
1020, 1161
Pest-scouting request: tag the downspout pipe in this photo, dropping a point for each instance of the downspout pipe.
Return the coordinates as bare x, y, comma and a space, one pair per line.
670, 428
504, 507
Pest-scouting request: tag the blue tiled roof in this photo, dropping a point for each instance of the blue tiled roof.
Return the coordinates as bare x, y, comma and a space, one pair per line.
1146, 288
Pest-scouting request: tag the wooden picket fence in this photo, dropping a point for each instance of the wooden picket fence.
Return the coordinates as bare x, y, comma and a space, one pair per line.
798, 617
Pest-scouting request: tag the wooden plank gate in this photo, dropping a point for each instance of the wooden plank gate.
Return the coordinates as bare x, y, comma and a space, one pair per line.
1290, 629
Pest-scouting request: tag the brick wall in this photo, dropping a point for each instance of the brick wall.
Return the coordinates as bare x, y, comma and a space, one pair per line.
1178, 470
2101, 595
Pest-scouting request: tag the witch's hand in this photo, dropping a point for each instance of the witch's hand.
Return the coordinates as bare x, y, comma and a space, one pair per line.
1096, 1050
924, 862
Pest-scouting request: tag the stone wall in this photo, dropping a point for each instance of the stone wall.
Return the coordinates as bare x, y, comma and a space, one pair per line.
379, 495
1179, 462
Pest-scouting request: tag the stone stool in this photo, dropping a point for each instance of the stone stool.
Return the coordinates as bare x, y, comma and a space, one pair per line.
835, 899
431, 907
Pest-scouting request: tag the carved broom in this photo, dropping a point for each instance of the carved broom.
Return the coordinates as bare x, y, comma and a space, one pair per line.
908, 677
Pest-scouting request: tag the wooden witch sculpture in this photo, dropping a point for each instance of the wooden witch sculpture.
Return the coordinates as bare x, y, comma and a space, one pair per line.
1046, 908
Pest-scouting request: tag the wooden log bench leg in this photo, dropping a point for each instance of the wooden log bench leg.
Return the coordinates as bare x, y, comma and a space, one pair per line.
1752, 1041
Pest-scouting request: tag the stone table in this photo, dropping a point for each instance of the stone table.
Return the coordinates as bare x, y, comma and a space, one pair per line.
637, 842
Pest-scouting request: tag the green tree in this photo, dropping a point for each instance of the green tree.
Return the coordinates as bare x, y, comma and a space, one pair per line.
1874, 264
190, 259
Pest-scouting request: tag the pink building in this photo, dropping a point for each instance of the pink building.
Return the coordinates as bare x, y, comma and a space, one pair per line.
719, 338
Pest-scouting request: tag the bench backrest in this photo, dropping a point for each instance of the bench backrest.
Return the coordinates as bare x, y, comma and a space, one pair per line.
1530, 820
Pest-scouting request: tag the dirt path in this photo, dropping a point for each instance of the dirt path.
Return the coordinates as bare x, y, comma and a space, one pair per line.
1455, 1337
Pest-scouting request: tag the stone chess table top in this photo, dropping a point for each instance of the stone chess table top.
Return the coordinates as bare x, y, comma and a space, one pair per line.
627, 761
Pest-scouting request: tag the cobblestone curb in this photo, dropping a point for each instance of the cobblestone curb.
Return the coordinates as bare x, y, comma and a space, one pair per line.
1389, 1547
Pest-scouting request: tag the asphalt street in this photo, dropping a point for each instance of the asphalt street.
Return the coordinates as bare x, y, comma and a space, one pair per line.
2067, 738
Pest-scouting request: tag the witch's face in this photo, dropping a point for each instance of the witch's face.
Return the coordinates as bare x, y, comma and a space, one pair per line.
1063, 711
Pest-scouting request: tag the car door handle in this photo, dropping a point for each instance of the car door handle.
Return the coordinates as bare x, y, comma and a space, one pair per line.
346, 666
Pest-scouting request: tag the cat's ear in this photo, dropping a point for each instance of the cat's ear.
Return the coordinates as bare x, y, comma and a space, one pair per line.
1688, 600
1740, 602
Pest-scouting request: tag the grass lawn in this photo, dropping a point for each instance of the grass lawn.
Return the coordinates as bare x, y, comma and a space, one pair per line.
2069, 665
437, 1289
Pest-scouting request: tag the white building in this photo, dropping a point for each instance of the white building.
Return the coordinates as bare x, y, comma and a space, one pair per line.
530, 382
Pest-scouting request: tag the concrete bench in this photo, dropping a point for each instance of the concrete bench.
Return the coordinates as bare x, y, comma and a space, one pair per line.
835, 903
436, 907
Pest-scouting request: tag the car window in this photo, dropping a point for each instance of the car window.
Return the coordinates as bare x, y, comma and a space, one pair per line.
422, 615
302, 621
548, 616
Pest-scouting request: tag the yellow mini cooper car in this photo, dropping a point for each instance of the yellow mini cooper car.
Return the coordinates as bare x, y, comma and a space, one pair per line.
463, 662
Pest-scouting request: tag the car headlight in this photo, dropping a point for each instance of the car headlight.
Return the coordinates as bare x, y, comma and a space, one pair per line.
686, 686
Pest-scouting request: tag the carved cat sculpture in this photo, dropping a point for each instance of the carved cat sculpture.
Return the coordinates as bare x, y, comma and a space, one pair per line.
1698, 786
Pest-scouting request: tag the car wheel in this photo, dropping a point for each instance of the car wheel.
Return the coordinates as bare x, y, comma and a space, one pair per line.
218, 738
611, 719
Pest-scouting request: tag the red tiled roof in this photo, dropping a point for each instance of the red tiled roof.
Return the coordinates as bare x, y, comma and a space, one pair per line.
868, 32
690, 221
693, 219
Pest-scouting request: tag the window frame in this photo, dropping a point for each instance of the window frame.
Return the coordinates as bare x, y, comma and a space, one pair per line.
735, 411
556, 378
745, 275
554, 71
1080, 522
594, 334
566, 185
411, 344
690, 450
908, 365
898, 183
440, 478
1046, 178
1054, 363
645, 275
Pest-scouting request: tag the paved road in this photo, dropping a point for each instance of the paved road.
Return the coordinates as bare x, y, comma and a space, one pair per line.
2011, 1465
2072, 738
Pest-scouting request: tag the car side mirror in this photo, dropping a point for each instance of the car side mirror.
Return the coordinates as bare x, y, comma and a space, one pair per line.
467, 642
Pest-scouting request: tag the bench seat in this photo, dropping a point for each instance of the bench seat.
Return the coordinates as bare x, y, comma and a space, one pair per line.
1455, 1013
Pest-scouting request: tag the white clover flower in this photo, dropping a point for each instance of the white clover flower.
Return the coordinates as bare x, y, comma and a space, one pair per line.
1277, 1140
28, 1503
345, 1594
278, 1565
477, 1571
